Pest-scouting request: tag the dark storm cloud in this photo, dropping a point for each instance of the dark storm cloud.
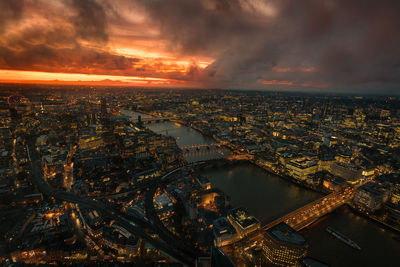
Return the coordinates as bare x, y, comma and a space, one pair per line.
10, 11
193, 27
55, 45
337, 44
74, 39
55, 48
350, 43
90, 21
66, 60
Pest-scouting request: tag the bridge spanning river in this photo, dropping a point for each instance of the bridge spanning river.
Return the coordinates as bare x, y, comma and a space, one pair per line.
300, 218
152, 120
311, 212
325, 249
198, 153
201, 146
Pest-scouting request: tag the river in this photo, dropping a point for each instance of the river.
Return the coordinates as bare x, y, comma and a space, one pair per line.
186, 136
268, 197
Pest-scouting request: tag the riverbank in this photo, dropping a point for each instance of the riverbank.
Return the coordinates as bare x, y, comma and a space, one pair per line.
267, 197
291, 179
374, 218
286, 177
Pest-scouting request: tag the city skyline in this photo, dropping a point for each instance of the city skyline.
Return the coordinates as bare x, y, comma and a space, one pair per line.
199, 133
189, 177
330, 46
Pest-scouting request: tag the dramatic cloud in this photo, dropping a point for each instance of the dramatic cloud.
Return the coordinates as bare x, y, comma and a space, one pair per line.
345, 43
10, 11
90, 21
335, 45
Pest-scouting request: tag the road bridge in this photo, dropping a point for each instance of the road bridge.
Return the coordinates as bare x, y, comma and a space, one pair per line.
200, 146
153, 120
300, 218
311, 212
202, 152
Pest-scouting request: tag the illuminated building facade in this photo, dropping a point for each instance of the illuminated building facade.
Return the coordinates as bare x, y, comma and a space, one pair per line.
243, 222
224, 232
283, 246
371, 196
302, 167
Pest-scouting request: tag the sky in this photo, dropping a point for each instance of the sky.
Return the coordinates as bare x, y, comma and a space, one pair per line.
290, 45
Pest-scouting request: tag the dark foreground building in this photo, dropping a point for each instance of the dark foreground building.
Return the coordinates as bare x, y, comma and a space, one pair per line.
283, 246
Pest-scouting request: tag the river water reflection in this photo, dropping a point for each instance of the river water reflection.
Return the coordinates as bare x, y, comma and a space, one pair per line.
186, 136
265, 196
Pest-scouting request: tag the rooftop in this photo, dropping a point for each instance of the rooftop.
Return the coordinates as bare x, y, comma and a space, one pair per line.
285, 233
223, 226
241, 216
303, 163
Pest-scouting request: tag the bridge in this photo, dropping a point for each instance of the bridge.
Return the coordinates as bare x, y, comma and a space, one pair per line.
201, 152
152, 120
300, 218
201, 146
311, 212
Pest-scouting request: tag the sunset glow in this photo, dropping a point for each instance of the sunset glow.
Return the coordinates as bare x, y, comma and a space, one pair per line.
69, 78
253, 44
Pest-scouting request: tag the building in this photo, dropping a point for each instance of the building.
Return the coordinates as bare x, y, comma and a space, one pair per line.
243, 222
5, 159
347, 171
395, 196
15, 117
324, 163
283, 246
224, 232
164, 206
219, 258
121, 240
300, 168
204, 182
103, 104
91, 220
333, 183
371, 196
90, 142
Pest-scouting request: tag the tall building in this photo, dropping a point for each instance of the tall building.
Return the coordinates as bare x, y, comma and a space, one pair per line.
283, 246
140, 122
219, 258
103, 108
15, 117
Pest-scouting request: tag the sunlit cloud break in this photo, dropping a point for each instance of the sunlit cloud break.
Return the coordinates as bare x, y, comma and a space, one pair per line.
331, 45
